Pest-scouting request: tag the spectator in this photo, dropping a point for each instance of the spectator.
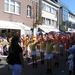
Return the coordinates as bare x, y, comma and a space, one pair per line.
5, 52
71, 64
16, 65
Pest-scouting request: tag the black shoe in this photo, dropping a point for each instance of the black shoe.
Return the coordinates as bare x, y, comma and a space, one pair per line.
49, 70
55, 64
36, 65
33, 65
27, 59
66, 59
61, 54
42, 61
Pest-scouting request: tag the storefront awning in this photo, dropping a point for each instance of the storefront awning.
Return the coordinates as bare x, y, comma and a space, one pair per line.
25, 27
15, 25
44, 29
8, 25
47, 28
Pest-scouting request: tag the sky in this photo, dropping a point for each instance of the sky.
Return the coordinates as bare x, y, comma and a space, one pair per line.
70, 4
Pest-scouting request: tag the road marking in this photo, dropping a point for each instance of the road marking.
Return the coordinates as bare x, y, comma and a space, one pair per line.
32, 62
4, 56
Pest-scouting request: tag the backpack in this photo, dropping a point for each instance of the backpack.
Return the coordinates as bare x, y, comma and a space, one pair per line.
11, 59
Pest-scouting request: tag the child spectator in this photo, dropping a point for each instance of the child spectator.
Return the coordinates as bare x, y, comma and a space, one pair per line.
71, 64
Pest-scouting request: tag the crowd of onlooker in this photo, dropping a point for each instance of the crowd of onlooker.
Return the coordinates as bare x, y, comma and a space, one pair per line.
4, 44
63, 39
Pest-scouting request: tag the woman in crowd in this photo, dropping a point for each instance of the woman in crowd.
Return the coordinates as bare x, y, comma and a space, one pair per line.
49, 54
16, 63
42, 48
61, 46
26, 48
66, 46
57, 51
71, 41
33, 51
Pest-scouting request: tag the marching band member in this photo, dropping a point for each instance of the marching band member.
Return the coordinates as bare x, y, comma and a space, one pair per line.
66, 46
49, 54
57, 51
33, 51
42, 49
27, 49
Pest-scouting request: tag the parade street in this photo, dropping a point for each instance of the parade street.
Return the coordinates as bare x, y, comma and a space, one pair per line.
37, 37
40, 70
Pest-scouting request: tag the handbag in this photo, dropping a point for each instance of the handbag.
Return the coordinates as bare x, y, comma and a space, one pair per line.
11, 59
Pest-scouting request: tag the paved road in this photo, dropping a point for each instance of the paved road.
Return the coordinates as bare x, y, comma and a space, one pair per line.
40, 70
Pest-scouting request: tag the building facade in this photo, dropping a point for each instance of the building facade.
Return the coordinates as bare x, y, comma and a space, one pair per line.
47, 15
63, 16
71, 18
18, 11
66, 22
50, 13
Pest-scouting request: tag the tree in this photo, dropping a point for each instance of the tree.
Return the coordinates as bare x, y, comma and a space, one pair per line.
37, 15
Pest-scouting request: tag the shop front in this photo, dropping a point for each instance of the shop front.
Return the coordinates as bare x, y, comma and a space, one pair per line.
14, 28
47, 28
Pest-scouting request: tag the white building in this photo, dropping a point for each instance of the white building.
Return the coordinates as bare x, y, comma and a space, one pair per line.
71, 19
50, 14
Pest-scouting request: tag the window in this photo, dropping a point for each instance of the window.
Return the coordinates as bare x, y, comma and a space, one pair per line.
51, 10
54, 11
48, 8
17, 4
43, 20
48, 21
12, 7
65, 14
30, 0
52, 22
55, 23
43, 6
28, 11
